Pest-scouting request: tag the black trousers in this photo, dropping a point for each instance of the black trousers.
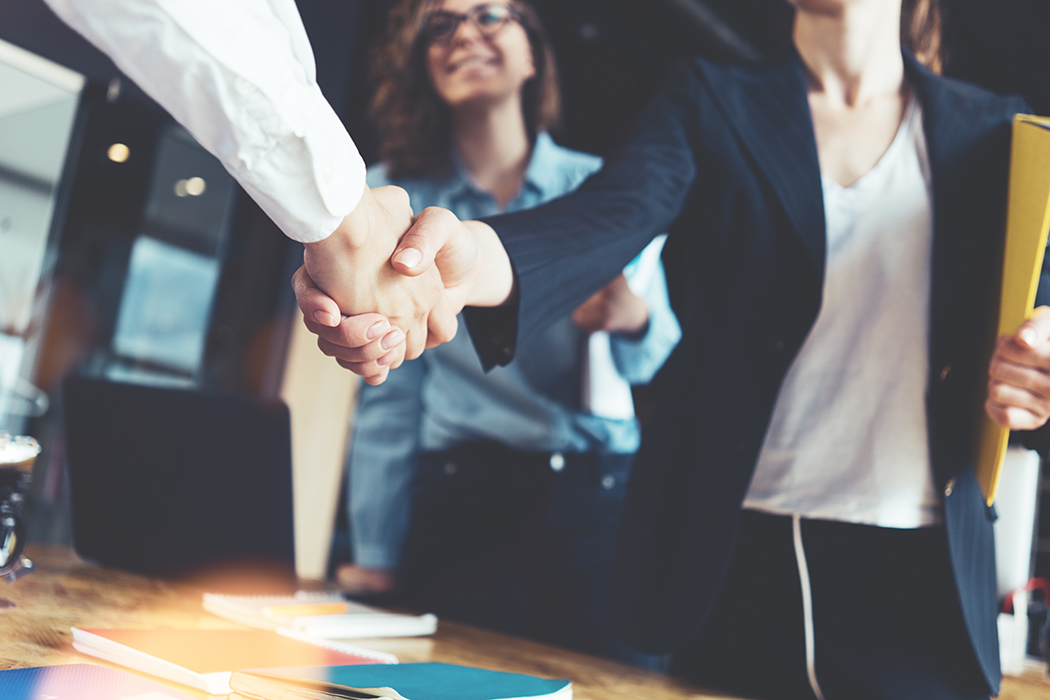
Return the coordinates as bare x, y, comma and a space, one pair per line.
519, 542
886, 617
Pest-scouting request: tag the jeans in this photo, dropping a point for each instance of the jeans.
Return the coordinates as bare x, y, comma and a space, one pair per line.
521, 543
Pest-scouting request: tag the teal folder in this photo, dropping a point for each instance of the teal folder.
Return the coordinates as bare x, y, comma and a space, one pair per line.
419, 681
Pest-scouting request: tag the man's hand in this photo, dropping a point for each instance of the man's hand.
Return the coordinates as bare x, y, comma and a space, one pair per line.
352, 267
466, 258
614, 309
1019, 375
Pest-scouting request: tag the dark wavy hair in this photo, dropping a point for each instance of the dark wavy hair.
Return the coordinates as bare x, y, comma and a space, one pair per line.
921, 31
414, 125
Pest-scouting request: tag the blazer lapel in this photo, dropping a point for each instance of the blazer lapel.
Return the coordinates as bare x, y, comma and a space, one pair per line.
769, 110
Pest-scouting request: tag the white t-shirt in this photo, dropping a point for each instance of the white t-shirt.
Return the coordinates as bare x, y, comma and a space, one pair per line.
847, 440
240, 76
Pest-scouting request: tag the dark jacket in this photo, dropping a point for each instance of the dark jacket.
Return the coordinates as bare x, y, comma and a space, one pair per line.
726, 161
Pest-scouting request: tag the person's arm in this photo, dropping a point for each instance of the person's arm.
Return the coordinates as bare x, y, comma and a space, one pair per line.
615, 309
545, 261
639, 359
382, 466
564, 251
240, 76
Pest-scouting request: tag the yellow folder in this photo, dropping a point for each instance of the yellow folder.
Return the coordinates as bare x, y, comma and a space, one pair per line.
1027, 222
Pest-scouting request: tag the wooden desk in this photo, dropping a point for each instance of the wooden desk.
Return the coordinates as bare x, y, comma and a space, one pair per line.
65, 592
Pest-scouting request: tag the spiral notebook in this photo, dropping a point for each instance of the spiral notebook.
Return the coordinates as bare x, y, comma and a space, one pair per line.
204, 659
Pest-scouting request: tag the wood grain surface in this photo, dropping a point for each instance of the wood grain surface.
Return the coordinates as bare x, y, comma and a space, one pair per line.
66, 592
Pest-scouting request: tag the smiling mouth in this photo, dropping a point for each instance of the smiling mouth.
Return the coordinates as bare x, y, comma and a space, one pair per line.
473, 62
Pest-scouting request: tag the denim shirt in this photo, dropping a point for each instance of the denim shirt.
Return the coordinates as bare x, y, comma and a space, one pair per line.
445, 398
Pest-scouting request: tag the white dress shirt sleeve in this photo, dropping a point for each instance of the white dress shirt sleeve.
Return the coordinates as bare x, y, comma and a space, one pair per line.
240, 76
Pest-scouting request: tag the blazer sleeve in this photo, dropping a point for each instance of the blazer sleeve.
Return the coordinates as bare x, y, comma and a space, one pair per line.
568, 249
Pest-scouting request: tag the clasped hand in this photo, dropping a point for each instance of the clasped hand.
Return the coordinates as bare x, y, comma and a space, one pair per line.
373, 294
1019, 375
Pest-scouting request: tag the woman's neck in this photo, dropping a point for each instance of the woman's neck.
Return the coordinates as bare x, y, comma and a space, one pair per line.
494, 147
852, 53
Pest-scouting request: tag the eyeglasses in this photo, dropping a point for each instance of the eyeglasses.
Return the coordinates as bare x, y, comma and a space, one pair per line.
488, 19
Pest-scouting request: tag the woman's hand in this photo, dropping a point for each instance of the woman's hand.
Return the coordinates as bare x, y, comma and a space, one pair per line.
614, 309
1019, 375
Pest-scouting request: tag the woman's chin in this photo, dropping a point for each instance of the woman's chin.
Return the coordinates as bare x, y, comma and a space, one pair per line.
477, 99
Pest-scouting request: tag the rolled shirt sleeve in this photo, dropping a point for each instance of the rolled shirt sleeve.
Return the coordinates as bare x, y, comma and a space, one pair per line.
239, 75
639, 359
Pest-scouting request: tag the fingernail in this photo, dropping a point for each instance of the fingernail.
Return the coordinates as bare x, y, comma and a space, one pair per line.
378, 329
324, 318
387, 359
409, 257
1028, 336
392, 339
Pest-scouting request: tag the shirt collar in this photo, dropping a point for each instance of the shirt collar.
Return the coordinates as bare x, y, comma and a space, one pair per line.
539, 176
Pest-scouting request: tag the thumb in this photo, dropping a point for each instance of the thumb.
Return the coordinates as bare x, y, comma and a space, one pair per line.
1036, 329
429, 233
315, 304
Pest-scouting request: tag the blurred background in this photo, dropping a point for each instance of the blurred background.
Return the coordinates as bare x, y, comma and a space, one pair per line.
127, 252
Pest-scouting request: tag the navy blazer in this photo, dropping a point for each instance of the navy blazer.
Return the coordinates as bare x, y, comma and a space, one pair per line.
726, 160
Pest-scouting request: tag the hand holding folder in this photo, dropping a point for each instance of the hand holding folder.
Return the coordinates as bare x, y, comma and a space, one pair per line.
1027, 222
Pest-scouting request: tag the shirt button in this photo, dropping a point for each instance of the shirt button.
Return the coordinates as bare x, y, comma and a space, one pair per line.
557, 461
243, 87
608, 481
946, 371
328, 171
779, 345
450, 469
949, 487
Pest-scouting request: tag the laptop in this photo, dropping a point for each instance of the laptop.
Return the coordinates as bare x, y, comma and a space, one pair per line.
181, 483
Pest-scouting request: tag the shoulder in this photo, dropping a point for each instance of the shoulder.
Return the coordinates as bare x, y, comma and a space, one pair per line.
969, 96
565, 167
978, 104
419, 189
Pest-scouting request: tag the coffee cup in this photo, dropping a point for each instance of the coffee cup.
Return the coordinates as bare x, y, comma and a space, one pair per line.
17, 455
18, 452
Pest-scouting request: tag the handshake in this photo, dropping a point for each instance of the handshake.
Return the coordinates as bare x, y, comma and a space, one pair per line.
386, 284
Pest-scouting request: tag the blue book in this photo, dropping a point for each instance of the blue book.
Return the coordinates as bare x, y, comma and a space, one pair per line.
422, 681
80, 682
